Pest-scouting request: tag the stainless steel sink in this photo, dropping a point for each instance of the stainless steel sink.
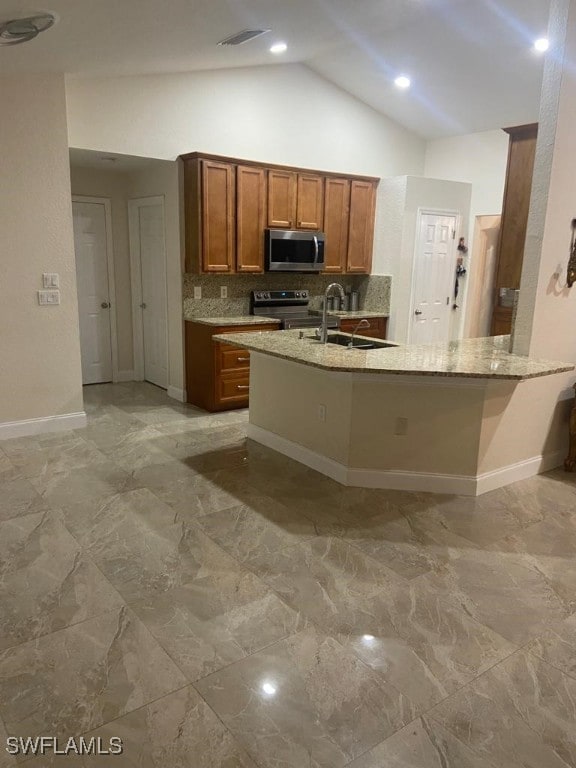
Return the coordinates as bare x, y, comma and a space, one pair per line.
344, 339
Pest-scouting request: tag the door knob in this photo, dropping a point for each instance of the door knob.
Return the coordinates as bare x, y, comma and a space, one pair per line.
105, 305
143, 305
418, 312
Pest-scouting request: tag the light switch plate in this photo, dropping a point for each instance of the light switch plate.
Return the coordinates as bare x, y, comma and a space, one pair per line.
51, 280
197, 291
48, 298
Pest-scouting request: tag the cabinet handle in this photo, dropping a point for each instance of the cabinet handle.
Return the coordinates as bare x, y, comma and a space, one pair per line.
242, 386
243, 359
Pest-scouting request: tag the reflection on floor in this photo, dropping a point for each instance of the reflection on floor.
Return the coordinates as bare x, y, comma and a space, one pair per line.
213, 603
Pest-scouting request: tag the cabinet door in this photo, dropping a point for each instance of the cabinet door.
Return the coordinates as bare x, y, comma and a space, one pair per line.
281, 199
501, 321
516, 205
218, 216
250, 218
336, 222
376, 327
361, 229
310, 201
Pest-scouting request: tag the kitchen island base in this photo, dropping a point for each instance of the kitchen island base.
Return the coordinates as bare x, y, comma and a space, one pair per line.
442, 434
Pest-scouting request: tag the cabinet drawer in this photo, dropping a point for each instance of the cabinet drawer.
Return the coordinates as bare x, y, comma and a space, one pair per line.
232, 358
375, 329
232, 388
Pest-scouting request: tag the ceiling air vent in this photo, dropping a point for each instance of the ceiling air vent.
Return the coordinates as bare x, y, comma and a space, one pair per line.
18, 31
243, 37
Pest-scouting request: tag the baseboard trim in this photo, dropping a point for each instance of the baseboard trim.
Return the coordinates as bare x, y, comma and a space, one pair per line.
124, 376
461, 485
176, 394
489, 481
28, 427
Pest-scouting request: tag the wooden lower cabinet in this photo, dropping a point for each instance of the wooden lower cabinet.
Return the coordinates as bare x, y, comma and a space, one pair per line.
501, 321
217, 374
376, 329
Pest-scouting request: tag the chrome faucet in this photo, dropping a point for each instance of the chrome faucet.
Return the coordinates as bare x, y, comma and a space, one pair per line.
362, 324
324, 326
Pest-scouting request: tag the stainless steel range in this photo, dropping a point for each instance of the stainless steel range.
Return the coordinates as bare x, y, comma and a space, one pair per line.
291, 307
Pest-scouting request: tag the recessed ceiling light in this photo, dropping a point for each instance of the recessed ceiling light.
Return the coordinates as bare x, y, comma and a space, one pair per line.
402, 82
278, 48
542, 44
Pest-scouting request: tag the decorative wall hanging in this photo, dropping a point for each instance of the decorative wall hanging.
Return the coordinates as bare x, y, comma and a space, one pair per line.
571, 272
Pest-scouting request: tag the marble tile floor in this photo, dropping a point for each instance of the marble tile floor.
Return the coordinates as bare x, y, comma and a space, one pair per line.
215, 605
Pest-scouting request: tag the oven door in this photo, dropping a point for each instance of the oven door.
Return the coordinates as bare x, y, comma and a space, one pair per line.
288, 250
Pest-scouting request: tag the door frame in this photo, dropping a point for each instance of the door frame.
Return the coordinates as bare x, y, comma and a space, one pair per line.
134, 204
107, 203
428, 212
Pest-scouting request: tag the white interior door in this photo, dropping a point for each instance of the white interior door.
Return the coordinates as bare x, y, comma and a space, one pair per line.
94, 295
149, 255
434, 278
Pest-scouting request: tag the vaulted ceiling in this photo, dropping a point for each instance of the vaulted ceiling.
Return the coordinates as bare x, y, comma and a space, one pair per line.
471, 61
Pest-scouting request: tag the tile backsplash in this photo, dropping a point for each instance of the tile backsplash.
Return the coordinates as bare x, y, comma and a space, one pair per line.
374, 291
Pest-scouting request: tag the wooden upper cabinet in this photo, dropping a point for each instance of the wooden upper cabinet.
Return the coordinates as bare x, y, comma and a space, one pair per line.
336, 222
361, 227
250, 218
516, 205
228, 204
218, 216
310, 201
521, 154
281, 199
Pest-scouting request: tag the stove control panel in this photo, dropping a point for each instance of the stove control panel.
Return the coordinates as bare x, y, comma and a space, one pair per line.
279, 298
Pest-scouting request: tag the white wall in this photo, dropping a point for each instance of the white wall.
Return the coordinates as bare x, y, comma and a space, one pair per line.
40, 369
282, 114
401, 200
156, 178
547, 307
479, 159
92, 182
537, 414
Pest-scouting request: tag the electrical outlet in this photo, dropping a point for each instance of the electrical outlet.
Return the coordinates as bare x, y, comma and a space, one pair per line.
401, 426
197, 291
223, 292
50, 280
321, 413
48, 298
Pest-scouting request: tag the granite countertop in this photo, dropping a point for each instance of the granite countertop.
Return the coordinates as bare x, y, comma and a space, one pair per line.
241, 320
485, 358
360, 313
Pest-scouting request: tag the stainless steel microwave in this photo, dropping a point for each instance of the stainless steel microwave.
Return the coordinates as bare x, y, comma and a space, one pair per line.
290, 250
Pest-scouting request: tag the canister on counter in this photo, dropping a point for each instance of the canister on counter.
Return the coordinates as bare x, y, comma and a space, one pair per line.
354, 301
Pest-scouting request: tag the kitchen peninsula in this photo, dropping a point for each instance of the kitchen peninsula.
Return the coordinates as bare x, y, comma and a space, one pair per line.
464, 417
